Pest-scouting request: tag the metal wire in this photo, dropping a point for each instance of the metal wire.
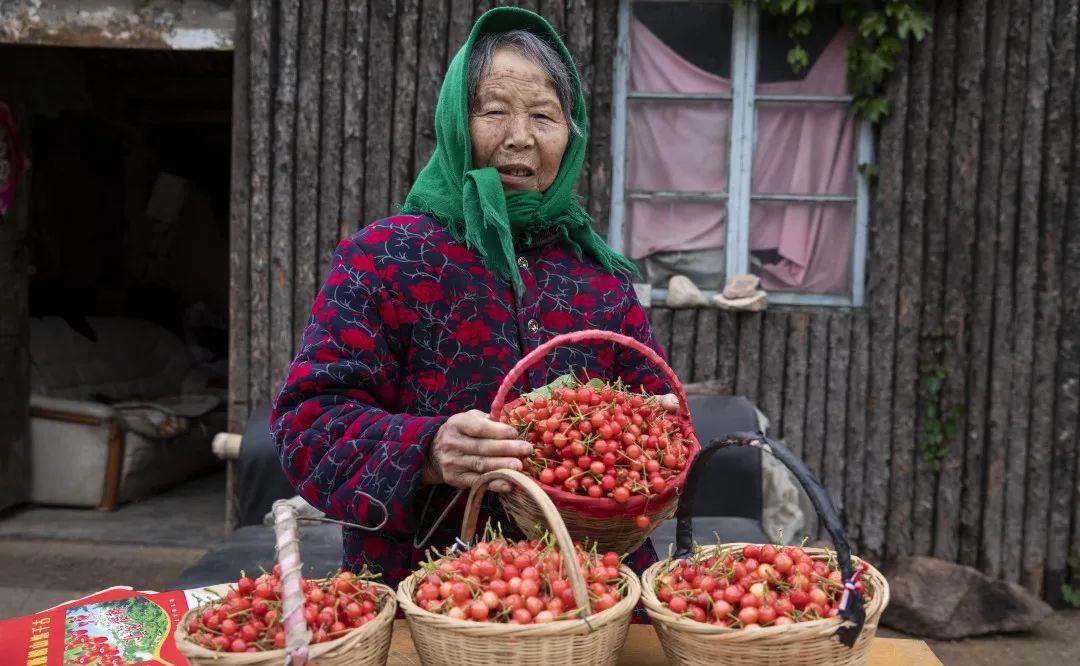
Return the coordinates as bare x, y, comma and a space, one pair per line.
421, 543
366, 528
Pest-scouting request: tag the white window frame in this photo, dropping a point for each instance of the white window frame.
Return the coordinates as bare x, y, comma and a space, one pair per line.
743, 141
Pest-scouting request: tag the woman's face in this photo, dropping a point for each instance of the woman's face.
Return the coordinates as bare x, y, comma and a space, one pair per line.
518, 126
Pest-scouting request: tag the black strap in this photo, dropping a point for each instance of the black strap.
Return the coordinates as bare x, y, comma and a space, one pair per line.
852, 607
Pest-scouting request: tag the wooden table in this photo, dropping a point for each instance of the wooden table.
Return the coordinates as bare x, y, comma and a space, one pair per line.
643, 649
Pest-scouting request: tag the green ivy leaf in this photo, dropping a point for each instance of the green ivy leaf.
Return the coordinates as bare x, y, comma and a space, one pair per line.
932, 383
801, 27
1071, 595
873, 24
868, 171
876, 65
930, 416
798, 58
950, 431
871, 108
1070, 591
888, 48
915, 23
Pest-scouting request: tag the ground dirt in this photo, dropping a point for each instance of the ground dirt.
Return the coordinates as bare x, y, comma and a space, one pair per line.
49, 555
1055, 642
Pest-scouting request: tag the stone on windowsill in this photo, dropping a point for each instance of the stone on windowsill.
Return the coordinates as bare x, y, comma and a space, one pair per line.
741, 286
682, 293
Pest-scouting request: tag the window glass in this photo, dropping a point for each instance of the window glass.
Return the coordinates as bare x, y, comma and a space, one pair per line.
802, 247
793, 170
678, 142
695, 34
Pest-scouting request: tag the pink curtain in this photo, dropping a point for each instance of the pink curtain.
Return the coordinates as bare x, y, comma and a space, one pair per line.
802, 148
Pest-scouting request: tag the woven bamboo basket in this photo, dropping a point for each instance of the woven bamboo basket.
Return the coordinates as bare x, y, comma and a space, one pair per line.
615, 528
368, 645
594, 639
841, 640
364, 646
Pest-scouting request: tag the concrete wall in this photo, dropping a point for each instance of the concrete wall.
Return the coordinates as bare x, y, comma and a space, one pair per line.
146, 24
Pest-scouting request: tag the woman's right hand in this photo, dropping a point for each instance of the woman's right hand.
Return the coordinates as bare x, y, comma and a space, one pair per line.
470, 444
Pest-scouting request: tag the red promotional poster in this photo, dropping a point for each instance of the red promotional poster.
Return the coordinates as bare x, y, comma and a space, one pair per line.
108, 628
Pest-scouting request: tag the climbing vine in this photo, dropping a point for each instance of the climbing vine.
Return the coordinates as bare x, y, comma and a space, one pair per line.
940, 422
1070, 591
881, 27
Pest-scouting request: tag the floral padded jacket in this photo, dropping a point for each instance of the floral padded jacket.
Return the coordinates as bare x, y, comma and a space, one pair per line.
409, 329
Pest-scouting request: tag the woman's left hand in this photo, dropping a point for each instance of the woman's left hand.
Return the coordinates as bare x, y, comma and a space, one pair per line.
670, 402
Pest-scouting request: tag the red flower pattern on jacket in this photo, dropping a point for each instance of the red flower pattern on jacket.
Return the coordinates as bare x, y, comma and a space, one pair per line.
471, 333
427, 291
409, 329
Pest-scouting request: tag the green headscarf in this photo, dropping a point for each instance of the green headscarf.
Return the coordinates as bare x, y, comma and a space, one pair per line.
471, 202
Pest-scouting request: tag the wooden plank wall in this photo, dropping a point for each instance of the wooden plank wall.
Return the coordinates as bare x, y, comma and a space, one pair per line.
973, 269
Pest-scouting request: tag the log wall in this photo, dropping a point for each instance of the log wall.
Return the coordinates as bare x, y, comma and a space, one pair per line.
942, 415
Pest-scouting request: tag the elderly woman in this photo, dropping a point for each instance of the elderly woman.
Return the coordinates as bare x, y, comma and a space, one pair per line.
383, 413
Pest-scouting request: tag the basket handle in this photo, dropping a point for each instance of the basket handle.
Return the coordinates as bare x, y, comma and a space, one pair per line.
852, 605
297, 634
590, 335
567, 553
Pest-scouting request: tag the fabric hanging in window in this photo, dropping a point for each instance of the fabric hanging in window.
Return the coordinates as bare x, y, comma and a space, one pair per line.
805, 148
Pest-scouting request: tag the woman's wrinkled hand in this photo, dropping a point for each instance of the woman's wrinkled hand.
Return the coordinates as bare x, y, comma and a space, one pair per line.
670, 402
470, 444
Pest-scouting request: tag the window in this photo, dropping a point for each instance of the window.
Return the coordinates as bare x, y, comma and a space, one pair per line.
728, 162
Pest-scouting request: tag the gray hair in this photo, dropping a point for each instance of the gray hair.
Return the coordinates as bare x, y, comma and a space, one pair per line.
536, 49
